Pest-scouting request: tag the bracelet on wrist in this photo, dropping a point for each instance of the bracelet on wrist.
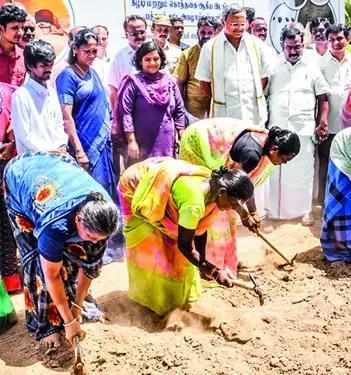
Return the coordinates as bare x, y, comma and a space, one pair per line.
70, 323
77, 306
208, 268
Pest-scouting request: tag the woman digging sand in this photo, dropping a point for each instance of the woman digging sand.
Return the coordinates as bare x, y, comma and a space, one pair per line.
167, 206
61, 219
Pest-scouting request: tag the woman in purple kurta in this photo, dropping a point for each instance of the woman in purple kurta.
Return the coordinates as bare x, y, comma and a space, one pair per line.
150, 111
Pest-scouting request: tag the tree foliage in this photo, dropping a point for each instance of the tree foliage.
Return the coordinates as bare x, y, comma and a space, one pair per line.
348, 12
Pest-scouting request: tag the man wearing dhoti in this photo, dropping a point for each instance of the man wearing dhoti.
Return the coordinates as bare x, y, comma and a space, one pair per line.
233, 70
298, 102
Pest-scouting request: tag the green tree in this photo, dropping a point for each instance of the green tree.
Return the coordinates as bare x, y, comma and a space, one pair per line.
348, 12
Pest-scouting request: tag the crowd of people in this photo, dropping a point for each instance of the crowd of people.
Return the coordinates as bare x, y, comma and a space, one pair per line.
155, 153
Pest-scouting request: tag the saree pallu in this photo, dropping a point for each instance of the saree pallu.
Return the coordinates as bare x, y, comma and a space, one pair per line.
92, 117
160, 277
336, 224
8, 249
42, 316
208, 143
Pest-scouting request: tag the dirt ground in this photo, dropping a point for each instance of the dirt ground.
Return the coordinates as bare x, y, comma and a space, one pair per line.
302, 328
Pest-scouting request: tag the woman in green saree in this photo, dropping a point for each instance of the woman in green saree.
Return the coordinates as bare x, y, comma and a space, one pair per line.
167, 206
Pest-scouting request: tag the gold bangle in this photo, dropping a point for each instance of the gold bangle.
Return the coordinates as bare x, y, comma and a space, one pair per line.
77, 306
70, 323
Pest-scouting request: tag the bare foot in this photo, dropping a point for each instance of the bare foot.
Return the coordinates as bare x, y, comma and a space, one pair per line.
55, 351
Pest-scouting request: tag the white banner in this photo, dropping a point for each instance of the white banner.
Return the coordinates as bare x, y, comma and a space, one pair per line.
56, 17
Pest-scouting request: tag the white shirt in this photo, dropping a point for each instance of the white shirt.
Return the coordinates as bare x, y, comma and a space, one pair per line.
37, 118
122, 65
102, 68
338, 75
292, 96
239, 90
172, 53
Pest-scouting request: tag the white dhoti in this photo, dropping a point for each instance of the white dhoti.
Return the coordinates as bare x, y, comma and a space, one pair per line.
291, 185
261, 198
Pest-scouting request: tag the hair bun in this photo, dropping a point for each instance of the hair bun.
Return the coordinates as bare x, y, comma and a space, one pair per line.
274, 131
220, 172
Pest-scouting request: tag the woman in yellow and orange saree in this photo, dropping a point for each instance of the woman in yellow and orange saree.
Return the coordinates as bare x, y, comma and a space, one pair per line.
233, 143
167, 206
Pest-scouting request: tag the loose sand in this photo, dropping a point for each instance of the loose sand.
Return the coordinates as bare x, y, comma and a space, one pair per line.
303, 327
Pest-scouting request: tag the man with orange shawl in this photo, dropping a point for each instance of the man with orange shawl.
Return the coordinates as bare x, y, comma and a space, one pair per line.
167, 206
234, 143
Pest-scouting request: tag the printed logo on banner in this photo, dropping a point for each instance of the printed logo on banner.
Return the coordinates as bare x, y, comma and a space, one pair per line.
302, 11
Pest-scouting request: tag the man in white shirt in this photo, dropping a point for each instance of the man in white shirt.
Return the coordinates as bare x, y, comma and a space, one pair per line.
36, 113
336, 68
122, 64
102, 62
296, 89
234, 69
160, 29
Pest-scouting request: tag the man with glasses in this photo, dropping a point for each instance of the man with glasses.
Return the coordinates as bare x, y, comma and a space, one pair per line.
233, 69
12, 19
122, 64
29, 30
298, 102
318, 28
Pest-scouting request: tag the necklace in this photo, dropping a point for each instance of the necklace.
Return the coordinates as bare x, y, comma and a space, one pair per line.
81, 72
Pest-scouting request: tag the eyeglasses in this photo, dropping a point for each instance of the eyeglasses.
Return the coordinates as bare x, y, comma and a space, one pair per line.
136, 33
319, 30
90, 51
259, 29
29, 28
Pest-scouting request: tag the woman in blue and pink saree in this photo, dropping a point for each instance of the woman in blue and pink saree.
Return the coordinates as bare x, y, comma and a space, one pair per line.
61, 218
